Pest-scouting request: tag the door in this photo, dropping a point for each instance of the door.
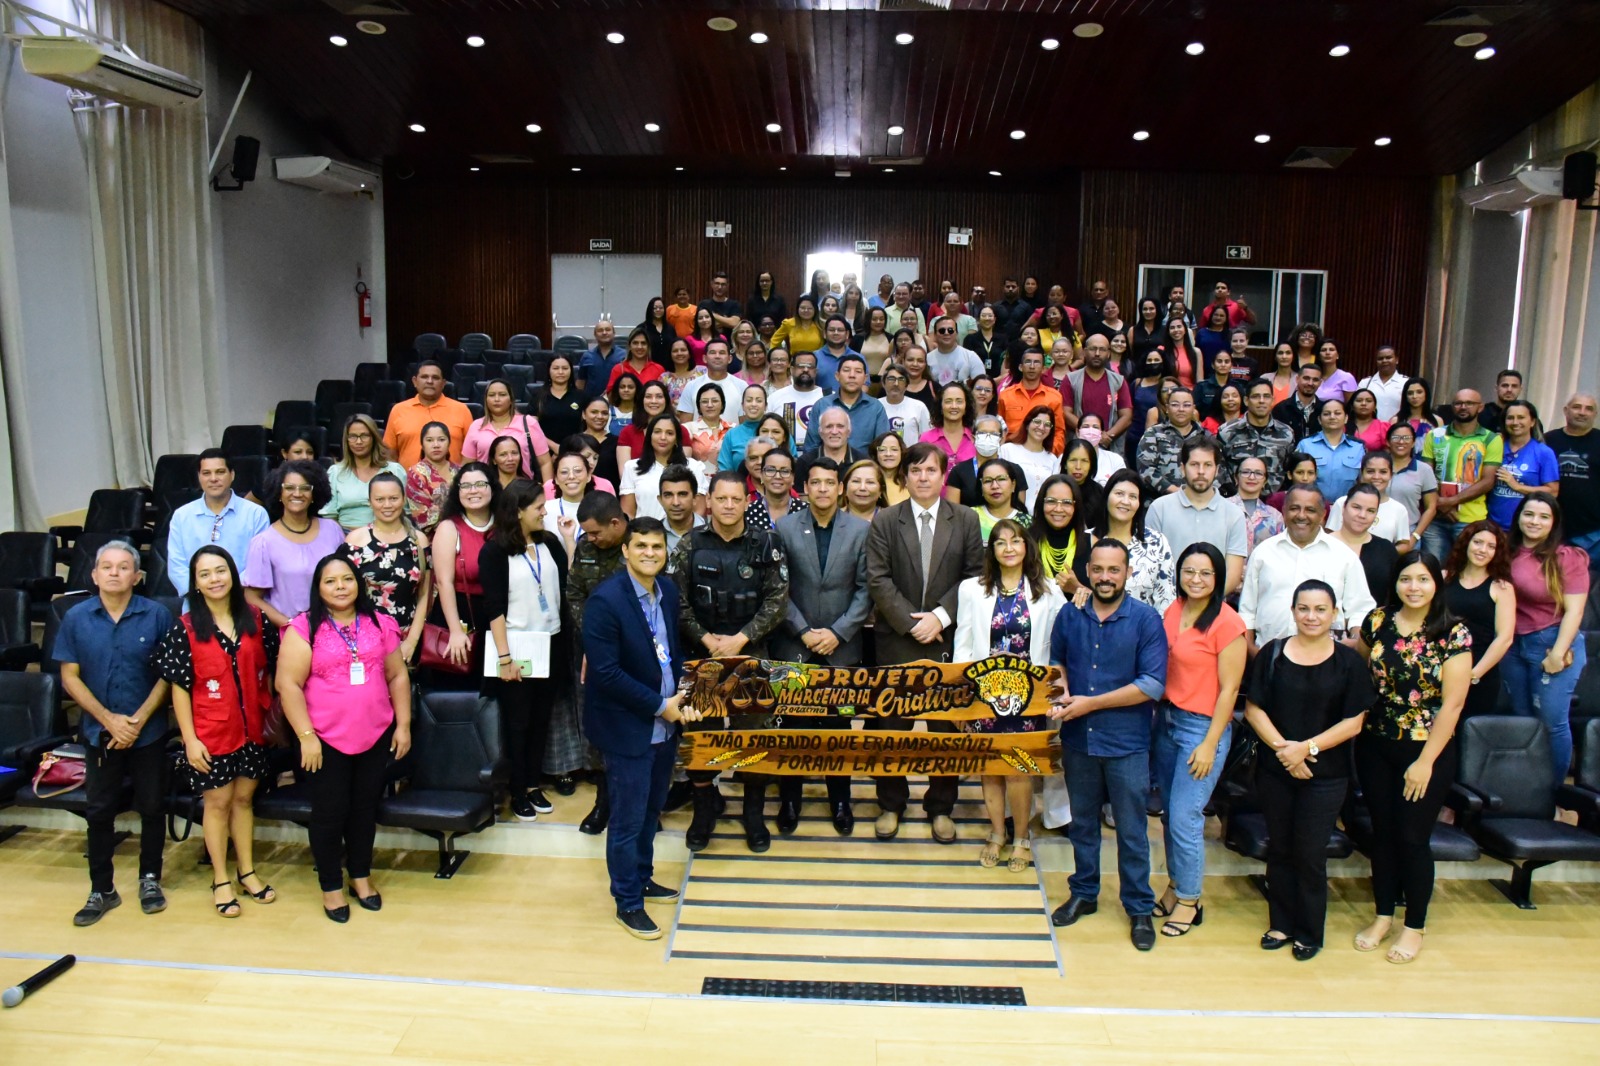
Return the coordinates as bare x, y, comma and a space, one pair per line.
587, 288
874, 267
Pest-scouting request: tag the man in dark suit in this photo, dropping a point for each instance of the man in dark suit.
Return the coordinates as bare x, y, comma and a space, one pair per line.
918, 553
631, 712
828, 605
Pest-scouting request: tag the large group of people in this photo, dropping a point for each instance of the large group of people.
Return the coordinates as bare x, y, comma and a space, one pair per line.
879, 479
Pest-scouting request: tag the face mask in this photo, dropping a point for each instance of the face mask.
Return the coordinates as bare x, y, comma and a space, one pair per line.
988, 444
1090, 434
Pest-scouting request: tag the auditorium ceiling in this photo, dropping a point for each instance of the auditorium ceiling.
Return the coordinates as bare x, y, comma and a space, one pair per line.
648, 88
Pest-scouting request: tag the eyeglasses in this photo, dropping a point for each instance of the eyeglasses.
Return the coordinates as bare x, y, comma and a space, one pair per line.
1252, 473
944, 331
467, 486
1188, 573
991, 481
297, 490
216, 527
777, 471
1051, 505
358, 436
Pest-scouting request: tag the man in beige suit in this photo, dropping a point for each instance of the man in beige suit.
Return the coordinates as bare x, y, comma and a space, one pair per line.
918, 553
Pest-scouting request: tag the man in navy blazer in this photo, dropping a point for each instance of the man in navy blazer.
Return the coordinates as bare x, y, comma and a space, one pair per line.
631, 712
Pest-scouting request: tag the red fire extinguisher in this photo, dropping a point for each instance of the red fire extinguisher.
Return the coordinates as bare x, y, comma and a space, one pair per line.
363, 305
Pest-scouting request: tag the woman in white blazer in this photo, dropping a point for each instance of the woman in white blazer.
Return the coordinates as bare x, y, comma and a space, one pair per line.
1009, 609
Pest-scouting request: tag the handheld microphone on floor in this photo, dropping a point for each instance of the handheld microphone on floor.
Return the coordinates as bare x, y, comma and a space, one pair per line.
17, 993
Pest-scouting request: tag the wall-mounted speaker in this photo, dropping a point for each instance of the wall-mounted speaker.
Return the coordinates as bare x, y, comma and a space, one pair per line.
1577, 176
246, 153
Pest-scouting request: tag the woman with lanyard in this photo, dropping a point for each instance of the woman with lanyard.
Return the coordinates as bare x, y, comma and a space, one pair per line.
347, 696
464, 524
428, 483
219, 659
1063, 538
558, 405
392, 558
1030, 448
1308, 696
500, 419
363, 456
573, 482
987, 342
523, 569
653, 400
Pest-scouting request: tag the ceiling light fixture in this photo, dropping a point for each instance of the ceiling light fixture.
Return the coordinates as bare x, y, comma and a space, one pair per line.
722, 23
533, 127
1141, 135
377, 29
783, 168
903, 38
758, 38
1339, 51
773, 127
615, 37
1471, 40
473, 169
577, 170
1049, 44
417, 127
1383, 142
651, 127
677, 168
888, 170
1194, 48
1486, 52
1017, 135
1263, 138
1088, 29
337, 41
994, 173
474, 41
895, 131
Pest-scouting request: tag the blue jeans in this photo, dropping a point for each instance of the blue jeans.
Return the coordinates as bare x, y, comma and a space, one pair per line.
1178, 732
1437, 540
637, 787
1589, 543
1547, 697
1123, 781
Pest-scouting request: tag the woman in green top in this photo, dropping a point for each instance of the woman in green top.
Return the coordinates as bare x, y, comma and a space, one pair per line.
1421, 662
1002, 497
364, 456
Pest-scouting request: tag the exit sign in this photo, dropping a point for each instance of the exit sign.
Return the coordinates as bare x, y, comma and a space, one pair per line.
603, 244
866, 247
1238, 251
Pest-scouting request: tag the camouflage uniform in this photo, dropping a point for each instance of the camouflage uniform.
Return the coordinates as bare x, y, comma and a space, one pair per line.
1159, 463
590, 566
1271, 444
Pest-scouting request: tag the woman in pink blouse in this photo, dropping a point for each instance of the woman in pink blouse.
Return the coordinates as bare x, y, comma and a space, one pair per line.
500, 419
347, 695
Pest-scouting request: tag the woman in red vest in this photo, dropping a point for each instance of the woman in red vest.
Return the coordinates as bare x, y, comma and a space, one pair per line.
220, 658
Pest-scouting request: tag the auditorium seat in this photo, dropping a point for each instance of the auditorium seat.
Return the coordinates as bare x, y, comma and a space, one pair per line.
28, 563
17, 647
521, 346
1503, 795
428, 345
52, 625
464, 376
455, 746
285, 803
331, 392
1586, 777
110, 511
571, 346
292, 414
1586, 696
250, 475
1449, 843
80, 561
517, 376
31, 723
473, 345
244, 440
343, 412
366, 375
385, 394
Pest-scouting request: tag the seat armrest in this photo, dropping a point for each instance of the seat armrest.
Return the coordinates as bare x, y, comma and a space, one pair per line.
31, 751
1577, 798
1464, 799
65, 536
486, 776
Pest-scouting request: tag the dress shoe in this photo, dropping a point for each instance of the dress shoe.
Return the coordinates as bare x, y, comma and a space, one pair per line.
944, 829
659, 893
1072, 910
639, 924
1305, 952
1142, 931
705, 819
373, 902
887, 826
679, 793
566, 785
338, 914
594, 823
788, 816
1273, 943
756, 837
844, 819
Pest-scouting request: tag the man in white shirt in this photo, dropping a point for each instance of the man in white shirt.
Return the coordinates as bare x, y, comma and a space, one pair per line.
909, 418
1198, 513
947, 360
1302, 551
717, 377
797, 399
217, 517
1388, 384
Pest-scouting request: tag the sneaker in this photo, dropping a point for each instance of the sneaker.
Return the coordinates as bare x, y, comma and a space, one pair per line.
98, 903
658, 893
639, 924
522, 809
540, 803
151, 899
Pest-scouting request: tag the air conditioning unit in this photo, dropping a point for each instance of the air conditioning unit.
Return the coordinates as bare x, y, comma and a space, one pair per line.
324, 174
1526, 188
99, 69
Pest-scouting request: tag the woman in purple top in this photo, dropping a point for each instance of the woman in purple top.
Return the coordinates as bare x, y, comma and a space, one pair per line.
346, 693
277, 569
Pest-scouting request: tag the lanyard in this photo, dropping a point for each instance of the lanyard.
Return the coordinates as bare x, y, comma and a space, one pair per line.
350, 639
538, 577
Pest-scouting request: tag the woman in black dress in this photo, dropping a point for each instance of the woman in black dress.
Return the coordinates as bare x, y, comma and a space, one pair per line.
1481, 595
558, 405
393, 558
1308, 696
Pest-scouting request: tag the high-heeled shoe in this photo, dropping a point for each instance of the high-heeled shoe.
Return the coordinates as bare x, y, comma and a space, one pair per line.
222, 908
373, 902
337, 914
267, 893
1171, 928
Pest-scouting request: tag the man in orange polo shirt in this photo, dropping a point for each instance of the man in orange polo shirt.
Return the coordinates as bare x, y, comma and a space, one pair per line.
1030, 391
403, 434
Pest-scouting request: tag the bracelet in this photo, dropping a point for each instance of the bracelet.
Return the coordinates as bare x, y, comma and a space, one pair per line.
307, 733
505, 658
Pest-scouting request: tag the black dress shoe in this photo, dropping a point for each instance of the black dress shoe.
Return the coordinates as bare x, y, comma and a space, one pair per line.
1305, 952
373, 902
338, 914
566, 785
1273, 943
594, 823
1142, 931
679, 793
844, 819
756, 836
1072, 910
788, 816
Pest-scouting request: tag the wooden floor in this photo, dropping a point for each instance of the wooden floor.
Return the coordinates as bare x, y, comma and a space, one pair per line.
517, 959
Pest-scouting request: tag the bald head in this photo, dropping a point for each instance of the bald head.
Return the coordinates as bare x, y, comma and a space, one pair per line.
1096, 350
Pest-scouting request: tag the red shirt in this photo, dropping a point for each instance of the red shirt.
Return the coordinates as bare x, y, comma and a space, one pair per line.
1097, 398
1235, 313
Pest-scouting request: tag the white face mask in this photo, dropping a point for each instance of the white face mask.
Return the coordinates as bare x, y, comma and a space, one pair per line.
988, 444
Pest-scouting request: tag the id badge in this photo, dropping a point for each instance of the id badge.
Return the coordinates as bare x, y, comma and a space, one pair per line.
544, 604
662, 655
358, 673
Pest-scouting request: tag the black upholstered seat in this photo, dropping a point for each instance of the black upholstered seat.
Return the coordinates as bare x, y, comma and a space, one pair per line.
455, 746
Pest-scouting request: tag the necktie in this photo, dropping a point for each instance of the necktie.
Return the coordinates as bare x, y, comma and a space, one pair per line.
925, 543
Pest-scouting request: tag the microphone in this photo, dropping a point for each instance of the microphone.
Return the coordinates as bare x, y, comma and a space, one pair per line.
17, 993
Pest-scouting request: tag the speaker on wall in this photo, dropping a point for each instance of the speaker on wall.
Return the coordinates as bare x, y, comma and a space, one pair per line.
1578, 176
246, 153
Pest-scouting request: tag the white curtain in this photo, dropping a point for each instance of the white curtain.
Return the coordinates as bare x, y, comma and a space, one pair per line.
151, 228
19, 502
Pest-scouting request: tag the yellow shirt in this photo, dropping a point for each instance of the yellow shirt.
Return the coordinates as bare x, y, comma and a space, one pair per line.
797, 336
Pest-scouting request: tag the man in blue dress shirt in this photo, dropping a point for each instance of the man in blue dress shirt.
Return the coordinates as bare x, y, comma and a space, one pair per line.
1114, 653
218, 517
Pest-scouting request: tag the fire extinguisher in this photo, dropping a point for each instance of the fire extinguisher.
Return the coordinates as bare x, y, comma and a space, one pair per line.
363, 305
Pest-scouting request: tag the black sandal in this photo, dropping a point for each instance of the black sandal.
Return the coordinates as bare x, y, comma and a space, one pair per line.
1175, 929
1161, 910
222, 908
266, 895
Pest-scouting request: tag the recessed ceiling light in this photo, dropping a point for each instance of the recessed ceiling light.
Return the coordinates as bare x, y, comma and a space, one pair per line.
677, 168
474, 41
377, 29
1088, 29
337, 41
1383, 142
903, 38
1471, 40
1263, 138
473, 169
577, 170
1339, 51
1017, 135
895, 131
417, 127
533, 127
615, 38
651, 127
994, 173
1194, 48
1486, 52
722, 24
1141, 135
888, 170
758, 38
1049, 44
773, 127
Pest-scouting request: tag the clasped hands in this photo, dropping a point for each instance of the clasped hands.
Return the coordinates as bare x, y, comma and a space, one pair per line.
1293, 755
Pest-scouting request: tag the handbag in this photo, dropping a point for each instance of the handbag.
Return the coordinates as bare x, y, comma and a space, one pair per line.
60, 771
433, 650
275, 731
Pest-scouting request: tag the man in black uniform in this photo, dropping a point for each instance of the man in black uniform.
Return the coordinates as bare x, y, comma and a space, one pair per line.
734, 585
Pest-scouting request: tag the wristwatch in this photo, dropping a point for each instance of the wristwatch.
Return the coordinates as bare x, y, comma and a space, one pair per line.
1311, 748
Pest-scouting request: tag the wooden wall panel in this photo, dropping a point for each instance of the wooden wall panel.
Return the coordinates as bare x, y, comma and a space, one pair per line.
1370, 234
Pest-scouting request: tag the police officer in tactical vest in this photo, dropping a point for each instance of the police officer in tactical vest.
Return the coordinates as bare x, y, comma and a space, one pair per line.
734, 585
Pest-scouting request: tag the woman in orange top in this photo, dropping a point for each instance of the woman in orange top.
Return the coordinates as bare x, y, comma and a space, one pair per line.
680, 314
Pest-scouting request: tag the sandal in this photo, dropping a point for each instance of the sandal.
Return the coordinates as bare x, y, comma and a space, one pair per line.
1021, 856
1370, 943
267, 893
1162, 908
223, 908
1399, 957
989, 856
1175, 928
